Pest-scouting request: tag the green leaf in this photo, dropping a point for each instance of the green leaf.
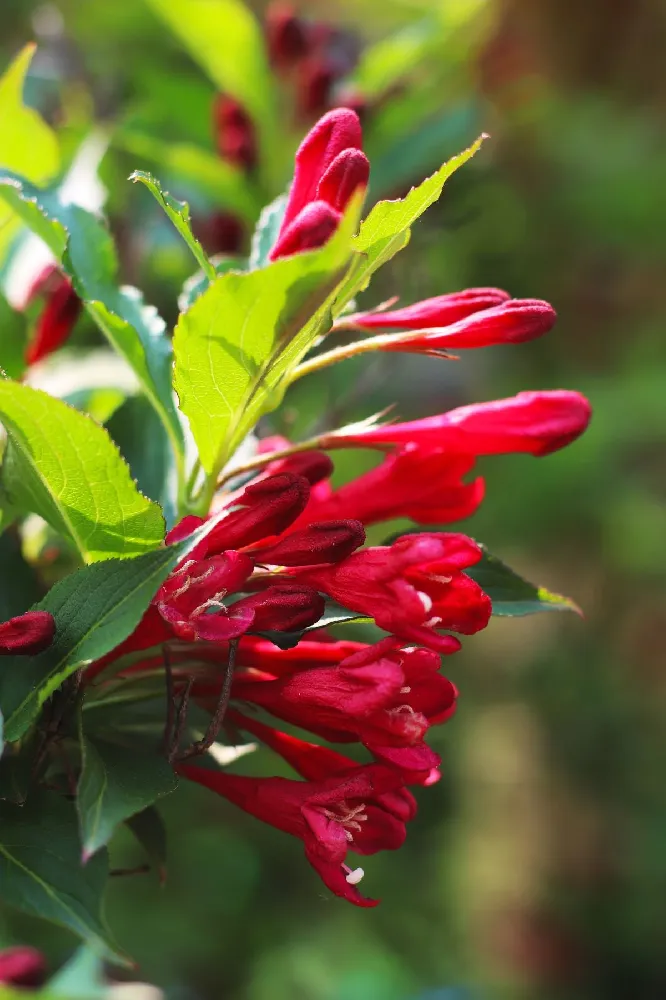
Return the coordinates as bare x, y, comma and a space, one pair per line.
510, 594
266, 232
179, 213
226, 185
240, 340
198, 282
13, 337
224, 38
116, 783
41, 872
95, 609
144, 445
81, 978
63, 466
19, 586
28, 145
386, 230
82, 243
149, 829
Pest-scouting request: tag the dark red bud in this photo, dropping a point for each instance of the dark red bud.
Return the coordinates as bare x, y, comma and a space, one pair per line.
27, 634
22, 966
348, 172
267, 507
234, 132
62, 309
321, 542
315, 81
286, 35
283, 608
220, 232
314, 466
311, 228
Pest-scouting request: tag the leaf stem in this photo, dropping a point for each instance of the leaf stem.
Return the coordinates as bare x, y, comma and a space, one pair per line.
378, 343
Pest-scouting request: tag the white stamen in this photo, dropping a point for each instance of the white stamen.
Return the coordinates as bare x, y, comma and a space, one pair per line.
425, 600
405, 690
355, 876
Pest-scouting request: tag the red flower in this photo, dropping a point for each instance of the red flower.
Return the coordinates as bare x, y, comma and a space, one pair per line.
534, 422
330, 167
439, 311
509, 323
22, 966
411, 588
58, 318
323, 542
331, 817
27, 634
234, 133
425, 485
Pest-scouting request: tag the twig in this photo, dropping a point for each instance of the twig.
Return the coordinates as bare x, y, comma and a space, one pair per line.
171, 703
181, 719
201, 746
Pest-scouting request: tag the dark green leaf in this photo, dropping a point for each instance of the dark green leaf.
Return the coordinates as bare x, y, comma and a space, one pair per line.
62, 465
41, 871
116, 783
149, 829
266, 232
19, 586
81, 241
510, 594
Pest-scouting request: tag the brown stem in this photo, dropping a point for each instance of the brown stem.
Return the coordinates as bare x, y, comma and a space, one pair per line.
201, 746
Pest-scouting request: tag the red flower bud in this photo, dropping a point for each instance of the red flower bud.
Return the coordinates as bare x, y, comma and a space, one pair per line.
533, 422
22, 966
348, 172
234, 133
510, 323
27, 634
316, 77
62, 309
263, 509
322, 542
312, 465
338, 130
283, 608
311, 228
286, 35
438, 311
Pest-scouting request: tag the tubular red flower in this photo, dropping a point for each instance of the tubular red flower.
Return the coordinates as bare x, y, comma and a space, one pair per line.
510, 323
312, 227
424, 485
22, 966
411, 588
438, 311
336, 131
185, 599
321, 542
328, 816
264, 508
537, 423
27, 634
62, 309
234, 133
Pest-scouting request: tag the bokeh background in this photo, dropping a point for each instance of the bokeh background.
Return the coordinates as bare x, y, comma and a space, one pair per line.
537, 867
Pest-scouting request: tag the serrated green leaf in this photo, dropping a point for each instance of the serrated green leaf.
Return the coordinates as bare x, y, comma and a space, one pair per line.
41, 872
95, 609
511, 595
63, 466
179, 213
198, 282
266, 232
116, 783
223, 36
80, 240
149, 829
28, 145
386, 229
240, 340
226, 185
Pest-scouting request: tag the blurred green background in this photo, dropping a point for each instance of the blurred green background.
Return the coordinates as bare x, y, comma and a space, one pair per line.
537, 867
